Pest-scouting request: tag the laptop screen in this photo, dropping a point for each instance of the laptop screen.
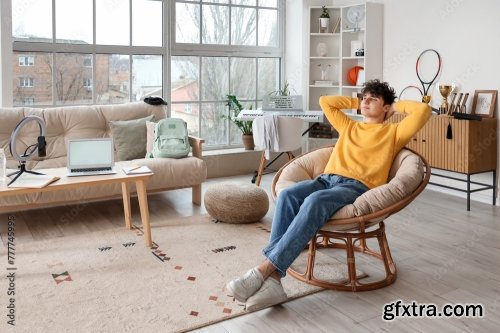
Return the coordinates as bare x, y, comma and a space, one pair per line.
90, 153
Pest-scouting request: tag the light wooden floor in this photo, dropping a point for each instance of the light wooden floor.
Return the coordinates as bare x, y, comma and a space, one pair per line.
444, 254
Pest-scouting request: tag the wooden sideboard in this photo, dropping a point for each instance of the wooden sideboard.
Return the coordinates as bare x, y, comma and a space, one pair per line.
472, 149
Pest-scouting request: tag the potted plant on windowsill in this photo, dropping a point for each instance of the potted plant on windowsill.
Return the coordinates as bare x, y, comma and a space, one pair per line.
324, 20
245, 126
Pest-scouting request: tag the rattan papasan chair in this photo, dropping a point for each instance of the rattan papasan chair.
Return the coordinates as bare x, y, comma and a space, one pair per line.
351, 227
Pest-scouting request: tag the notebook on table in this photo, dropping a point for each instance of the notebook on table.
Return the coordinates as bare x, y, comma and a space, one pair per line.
90, 157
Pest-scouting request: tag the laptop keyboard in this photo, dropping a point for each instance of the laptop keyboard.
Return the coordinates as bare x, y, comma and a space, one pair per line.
91, 169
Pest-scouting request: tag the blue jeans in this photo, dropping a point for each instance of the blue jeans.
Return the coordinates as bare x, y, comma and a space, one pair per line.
301, 210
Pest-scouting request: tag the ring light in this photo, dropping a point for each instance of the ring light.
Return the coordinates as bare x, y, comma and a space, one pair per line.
40, 146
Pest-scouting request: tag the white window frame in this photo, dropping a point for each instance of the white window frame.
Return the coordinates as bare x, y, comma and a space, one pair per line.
95, 49
87, 83
229, 51
25, 63
26, 82
170, 48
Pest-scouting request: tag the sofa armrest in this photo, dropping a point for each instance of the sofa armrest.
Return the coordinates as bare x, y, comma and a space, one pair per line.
196, 144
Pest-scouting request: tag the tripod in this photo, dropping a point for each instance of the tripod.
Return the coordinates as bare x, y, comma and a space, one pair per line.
22, 168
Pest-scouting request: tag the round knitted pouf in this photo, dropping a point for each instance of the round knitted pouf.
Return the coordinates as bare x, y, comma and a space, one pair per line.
236, 202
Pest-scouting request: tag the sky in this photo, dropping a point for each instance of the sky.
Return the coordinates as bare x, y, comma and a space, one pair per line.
74, 20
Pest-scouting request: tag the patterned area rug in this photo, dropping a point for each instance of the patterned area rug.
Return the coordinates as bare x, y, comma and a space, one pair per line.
111, 282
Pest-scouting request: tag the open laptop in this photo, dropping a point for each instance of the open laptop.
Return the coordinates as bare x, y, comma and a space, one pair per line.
90, 157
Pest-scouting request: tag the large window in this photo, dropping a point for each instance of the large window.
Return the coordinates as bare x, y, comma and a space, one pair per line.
78, 54
222, 47
191, 52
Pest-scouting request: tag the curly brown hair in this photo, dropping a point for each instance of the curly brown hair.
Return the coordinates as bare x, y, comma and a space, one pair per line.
380, 89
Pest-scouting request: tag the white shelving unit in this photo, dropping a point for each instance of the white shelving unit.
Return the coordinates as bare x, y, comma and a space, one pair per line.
338, 58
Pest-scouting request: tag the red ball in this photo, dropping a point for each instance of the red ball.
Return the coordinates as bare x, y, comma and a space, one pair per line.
352, 74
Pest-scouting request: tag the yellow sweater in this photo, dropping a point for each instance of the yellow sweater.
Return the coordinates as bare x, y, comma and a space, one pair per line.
366, 151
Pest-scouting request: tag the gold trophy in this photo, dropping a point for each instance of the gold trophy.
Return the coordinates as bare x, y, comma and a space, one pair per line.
445, 90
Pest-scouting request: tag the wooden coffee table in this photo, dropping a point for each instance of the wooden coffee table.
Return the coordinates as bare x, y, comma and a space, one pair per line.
66, 183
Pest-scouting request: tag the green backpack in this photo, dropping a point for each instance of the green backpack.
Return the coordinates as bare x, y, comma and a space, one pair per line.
171, 139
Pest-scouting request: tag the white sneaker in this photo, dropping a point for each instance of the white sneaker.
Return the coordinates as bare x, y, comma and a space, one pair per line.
243, 287
270, 293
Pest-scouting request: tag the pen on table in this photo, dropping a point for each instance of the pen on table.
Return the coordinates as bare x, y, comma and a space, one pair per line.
135, 167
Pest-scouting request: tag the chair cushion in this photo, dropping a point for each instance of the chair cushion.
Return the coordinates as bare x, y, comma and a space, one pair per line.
405, 175
236, 202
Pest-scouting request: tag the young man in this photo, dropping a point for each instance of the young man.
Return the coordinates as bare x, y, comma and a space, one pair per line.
360, 161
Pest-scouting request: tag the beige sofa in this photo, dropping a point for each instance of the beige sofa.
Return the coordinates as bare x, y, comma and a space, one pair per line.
63, 123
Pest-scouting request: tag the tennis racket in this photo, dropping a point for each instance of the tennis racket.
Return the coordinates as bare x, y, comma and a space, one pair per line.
428, 68
411, 92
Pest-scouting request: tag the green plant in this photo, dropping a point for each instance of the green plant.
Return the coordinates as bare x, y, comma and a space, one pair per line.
325, 13
283, 91
235, 108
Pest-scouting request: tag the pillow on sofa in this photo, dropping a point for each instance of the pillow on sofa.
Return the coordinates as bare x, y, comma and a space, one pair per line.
129, 138
150, 136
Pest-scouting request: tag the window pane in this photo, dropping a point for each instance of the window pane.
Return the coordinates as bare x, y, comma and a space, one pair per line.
112, 22
214, 78
185, 78
71, 77
74, 21
243, 79
268, 76
112, 82
146, 76
268, 27
244, 2
217, 1
32, 84
147, 23
243, 26
190, 112
215, 29
268, 3
32, 19
187, 23
213, 126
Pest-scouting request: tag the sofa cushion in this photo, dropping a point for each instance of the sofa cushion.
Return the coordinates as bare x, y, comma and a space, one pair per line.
129, 138
150, 136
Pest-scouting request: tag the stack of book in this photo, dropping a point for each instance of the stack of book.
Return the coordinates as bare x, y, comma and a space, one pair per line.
323, 131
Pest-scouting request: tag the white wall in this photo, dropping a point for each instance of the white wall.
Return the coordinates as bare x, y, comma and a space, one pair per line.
465, 33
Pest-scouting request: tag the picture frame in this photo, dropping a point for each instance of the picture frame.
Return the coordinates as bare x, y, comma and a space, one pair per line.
484, 103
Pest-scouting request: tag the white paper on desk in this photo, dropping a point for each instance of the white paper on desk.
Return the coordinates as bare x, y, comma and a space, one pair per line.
27, 180
133, 170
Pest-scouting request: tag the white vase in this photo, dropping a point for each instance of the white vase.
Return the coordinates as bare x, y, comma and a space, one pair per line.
323, 24
322, 50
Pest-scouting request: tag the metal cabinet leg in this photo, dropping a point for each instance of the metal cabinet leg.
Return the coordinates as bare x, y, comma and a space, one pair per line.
468, 192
